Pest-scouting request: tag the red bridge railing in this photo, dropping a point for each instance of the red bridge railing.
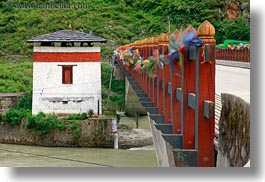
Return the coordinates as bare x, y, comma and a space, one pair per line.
184, 96
241, 55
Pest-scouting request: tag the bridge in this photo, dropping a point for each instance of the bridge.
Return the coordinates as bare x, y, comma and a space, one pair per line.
180, 95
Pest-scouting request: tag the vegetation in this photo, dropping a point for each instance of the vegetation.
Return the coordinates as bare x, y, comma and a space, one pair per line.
90, 112
78, 116
117, 93
14, 116
42, 124
16, 77
75, 126
120, 22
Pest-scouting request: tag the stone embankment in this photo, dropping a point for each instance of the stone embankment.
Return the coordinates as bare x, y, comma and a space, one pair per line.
93, 134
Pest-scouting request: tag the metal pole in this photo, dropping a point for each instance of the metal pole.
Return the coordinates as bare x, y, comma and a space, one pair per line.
112, 68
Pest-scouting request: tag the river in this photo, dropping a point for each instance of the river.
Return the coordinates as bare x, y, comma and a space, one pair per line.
35, 156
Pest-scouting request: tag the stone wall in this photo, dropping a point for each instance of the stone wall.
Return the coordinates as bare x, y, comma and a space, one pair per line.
94, 133
234, 132
8, 100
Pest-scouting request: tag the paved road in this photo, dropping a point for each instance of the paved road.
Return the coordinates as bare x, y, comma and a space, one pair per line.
233, 80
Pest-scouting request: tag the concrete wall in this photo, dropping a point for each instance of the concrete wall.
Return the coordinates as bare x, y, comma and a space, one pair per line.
234, 132
164, 154
8, 100
94, 133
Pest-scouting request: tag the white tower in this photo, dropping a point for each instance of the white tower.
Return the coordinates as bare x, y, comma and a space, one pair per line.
66, 73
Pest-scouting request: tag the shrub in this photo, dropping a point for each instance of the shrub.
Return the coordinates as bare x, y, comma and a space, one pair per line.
60, 125
118, 118
13, 116
75, 127
90, 112
25, 102
44, 125
41, 123
78, 116
31, 121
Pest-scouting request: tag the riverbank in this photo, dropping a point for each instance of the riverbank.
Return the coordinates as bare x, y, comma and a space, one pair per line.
93, 133
135, 156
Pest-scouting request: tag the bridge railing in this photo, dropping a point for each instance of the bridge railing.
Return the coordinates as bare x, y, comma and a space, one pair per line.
182, 92
240, 55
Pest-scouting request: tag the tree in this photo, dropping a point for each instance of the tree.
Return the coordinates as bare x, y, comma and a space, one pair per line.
135, 112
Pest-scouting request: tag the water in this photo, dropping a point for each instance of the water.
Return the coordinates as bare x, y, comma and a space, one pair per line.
35, 156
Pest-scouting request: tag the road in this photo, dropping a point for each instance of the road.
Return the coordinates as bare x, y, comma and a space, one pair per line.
233, 80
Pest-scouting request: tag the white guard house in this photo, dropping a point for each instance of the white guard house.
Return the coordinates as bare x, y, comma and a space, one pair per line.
66, 73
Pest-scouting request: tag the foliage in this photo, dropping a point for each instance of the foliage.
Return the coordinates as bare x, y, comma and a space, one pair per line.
117, 94
75, 126
31, 121
25, 102
14, 116
118, 117
90, 112
16, 78
105, 74
78, 116
120, 22
134, 111
42, 124
60, 125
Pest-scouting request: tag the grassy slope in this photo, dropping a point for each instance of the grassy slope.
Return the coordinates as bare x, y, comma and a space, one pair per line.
120, 22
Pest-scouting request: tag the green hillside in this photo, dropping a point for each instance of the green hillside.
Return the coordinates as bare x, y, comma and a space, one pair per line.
118, 21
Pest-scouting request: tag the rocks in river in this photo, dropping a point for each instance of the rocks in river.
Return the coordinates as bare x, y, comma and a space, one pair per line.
134, 138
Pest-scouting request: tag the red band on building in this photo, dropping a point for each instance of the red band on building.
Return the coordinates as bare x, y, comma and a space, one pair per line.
66, 56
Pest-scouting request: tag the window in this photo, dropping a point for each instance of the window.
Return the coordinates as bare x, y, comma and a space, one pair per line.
67, 76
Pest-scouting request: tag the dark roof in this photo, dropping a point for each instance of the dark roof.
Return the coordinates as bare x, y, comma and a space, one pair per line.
68, 36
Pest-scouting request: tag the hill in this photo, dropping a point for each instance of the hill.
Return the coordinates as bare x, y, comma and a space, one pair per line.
118, 21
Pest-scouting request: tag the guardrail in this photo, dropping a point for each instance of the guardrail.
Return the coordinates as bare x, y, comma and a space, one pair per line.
240, 55
180, 96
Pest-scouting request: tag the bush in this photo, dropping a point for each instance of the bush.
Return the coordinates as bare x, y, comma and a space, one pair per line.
132, 110
25, 102
42, 123
31, 121
118, 118
14, 116
60, 125
82, 116
45, 125
76, 128
90, 112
